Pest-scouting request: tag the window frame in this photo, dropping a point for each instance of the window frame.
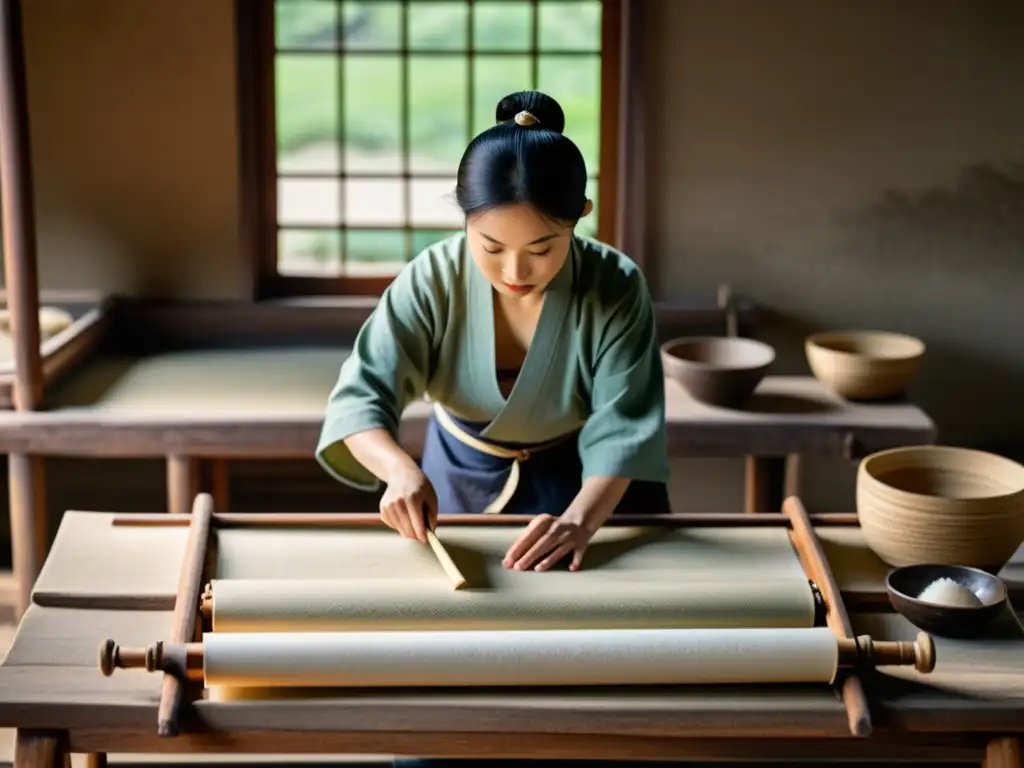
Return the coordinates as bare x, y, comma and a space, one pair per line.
621, 162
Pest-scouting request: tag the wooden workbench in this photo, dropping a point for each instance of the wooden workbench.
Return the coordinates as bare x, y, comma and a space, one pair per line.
124, 583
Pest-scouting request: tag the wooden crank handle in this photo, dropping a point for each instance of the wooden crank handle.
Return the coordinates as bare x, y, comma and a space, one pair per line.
113, 656
863, 651
920, 653
184, 660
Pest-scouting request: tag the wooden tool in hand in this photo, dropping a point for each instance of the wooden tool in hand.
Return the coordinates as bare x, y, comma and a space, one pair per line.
451, 570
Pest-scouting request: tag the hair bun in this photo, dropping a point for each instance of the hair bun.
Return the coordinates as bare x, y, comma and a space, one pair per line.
529, 109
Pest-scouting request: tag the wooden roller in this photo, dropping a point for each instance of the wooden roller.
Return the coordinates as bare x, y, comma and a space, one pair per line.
185, 660
206, 600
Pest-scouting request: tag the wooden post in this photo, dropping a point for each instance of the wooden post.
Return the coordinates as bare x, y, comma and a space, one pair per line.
765, 480
19, 228
220, 483
631, 166
27, 502
1003, 753
186, 608
40, 749
812, 557
28, 524
182, 483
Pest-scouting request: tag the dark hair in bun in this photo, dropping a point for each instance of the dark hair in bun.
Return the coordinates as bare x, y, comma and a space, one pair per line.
524, 159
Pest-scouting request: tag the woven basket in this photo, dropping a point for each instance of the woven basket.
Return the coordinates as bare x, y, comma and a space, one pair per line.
941, 505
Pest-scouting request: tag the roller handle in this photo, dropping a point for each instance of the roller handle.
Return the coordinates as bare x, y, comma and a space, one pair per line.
182, 660
863, 651
113, 656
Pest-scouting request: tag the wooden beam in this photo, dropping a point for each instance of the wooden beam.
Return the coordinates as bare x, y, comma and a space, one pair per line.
631, 206
611, 118
25, 473
19, 230
29, 533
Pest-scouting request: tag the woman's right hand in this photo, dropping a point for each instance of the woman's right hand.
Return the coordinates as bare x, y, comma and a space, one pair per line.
409, 503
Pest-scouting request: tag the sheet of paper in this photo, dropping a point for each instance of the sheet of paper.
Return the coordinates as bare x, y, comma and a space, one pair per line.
324, 579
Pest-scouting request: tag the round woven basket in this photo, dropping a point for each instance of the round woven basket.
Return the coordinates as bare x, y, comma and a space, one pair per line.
941, 505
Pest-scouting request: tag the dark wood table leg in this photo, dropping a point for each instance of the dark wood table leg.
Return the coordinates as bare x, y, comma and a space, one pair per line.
765, 483
40, 749
220, 484
794, 476
29, 531
1002, 753
182, 484
96, 760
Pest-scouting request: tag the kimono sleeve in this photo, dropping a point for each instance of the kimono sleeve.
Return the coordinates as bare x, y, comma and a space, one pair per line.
387, 370
625, 435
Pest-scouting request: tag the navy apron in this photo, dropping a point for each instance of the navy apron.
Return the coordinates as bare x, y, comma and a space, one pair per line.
474, 475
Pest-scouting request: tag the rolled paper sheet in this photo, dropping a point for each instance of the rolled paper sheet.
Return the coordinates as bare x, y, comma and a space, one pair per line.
615, 554
520, 658
324, 605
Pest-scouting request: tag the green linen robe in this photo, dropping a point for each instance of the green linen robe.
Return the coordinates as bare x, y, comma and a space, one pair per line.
593, 363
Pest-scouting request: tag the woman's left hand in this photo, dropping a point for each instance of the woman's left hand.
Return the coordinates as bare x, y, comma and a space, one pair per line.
546, 541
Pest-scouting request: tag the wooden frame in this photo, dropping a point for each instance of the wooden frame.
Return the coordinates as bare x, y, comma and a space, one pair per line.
25, 473
180, 658
494, 726
620, 150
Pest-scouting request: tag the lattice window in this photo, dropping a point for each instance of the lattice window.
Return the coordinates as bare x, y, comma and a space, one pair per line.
374, 103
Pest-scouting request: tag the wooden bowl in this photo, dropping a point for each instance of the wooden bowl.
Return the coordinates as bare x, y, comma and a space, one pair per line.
941, 505
717, 370
864, 365
905, 584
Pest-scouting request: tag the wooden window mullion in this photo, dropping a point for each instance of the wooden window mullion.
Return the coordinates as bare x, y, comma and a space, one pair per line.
470, 66
534, 44
342, 155
405, 131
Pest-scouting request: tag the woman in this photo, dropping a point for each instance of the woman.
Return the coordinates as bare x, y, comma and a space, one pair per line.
536, 346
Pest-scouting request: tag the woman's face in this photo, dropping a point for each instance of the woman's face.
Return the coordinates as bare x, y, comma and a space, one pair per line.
518, 250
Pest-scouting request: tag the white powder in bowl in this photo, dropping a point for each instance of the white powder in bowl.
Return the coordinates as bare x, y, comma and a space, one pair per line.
946, 591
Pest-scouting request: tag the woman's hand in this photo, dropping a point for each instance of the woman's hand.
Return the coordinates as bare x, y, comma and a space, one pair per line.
409, 503
546, 541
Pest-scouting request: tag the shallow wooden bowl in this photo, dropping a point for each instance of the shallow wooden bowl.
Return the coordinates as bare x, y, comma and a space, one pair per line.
717, 370
905, 584
864, 365
941, 505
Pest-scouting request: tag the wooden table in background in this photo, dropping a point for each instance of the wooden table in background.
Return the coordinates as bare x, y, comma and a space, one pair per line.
214, 405
786, 418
